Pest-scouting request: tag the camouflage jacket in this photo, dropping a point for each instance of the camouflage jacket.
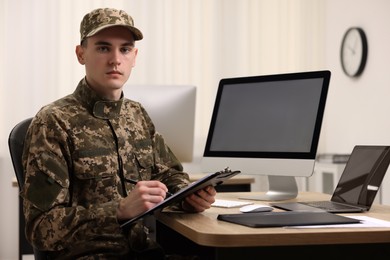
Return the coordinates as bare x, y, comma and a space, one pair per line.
76, 149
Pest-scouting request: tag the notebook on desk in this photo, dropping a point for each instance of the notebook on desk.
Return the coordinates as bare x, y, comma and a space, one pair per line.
358, 184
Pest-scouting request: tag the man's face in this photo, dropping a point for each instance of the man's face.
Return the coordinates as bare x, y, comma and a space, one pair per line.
109, 57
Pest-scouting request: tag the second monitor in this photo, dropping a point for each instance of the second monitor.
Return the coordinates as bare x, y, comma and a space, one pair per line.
172, 110
268, 125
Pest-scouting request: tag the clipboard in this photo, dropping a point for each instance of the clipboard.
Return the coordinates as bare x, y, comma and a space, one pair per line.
212, 179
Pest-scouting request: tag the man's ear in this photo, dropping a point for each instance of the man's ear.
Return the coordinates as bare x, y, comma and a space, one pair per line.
80, 54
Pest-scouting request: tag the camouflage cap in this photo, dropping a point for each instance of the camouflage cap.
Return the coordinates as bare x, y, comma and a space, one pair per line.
102, 18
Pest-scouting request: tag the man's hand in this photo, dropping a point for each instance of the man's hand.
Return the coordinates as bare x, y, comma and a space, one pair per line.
143, 197
200, 201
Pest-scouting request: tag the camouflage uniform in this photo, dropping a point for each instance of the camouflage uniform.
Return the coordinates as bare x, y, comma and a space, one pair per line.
76, 151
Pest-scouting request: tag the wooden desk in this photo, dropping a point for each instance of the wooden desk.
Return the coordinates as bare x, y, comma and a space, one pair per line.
15, 182
204, 235
238, 183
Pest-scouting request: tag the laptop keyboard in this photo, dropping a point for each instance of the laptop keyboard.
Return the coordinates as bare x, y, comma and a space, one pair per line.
326, 205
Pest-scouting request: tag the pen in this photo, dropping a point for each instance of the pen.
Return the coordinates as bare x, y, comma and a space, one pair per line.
135, 182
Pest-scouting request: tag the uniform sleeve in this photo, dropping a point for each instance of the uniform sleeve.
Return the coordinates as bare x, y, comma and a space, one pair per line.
52, 223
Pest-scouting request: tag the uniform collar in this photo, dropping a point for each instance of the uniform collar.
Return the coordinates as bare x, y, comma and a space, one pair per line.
99, 107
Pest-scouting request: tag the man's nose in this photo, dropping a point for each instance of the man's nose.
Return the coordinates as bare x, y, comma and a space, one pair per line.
115, 58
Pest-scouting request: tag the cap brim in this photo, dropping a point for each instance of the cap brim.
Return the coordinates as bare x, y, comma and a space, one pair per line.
137, 34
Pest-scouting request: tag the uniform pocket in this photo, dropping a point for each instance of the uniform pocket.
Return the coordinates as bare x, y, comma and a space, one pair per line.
144, 158
95, 174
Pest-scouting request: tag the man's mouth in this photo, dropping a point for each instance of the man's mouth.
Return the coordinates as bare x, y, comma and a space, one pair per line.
114, 72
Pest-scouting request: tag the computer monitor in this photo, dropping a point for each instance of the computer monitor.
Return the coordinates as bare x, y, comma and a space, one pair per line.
172, 110
268, 125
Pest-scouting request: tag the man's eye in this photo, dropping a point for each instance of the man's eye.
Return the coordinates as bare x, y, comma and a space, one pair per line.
126, 49
102, 49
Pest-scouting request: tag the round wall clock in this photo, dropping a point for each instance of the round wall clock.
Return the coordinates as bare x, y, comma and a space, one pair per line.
354, 51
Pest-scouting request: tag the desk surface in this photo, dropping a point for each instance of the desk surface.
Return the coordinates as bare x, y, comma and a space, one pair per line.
204, 228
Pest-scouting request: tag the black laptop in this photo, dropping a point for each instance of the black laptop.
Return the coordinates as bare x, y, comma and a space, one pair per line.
358, 184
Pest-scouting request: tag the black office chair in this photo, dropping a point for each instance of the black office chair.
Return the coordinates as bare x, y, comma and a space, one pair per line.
15, 143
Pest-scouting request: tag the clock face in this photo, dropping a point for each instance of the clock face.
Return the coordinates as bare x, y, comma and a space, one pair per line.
354, 52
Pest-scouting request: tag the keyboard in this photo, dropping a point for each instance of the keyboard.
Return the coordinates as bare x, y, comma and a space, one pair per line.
326, 205
229, 203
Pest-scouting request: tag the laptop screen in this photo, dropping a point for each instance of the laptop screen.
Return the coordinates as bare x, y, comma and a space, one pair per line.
362, 175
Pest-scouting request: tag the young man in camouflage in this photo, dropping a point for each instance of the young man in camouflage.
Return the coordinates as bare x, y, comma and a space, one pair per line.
81, 151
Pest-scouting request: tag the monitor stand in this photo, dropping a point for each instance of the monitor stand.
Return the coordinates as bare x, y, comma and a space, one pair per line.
279, 188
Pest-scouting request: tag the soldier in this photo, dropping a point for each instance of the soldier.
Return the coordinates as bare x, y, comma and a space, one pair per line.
83, 150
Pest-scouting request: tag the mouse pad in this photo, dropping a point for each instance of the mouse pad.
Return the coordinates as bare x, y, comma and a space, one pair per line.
286, 218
